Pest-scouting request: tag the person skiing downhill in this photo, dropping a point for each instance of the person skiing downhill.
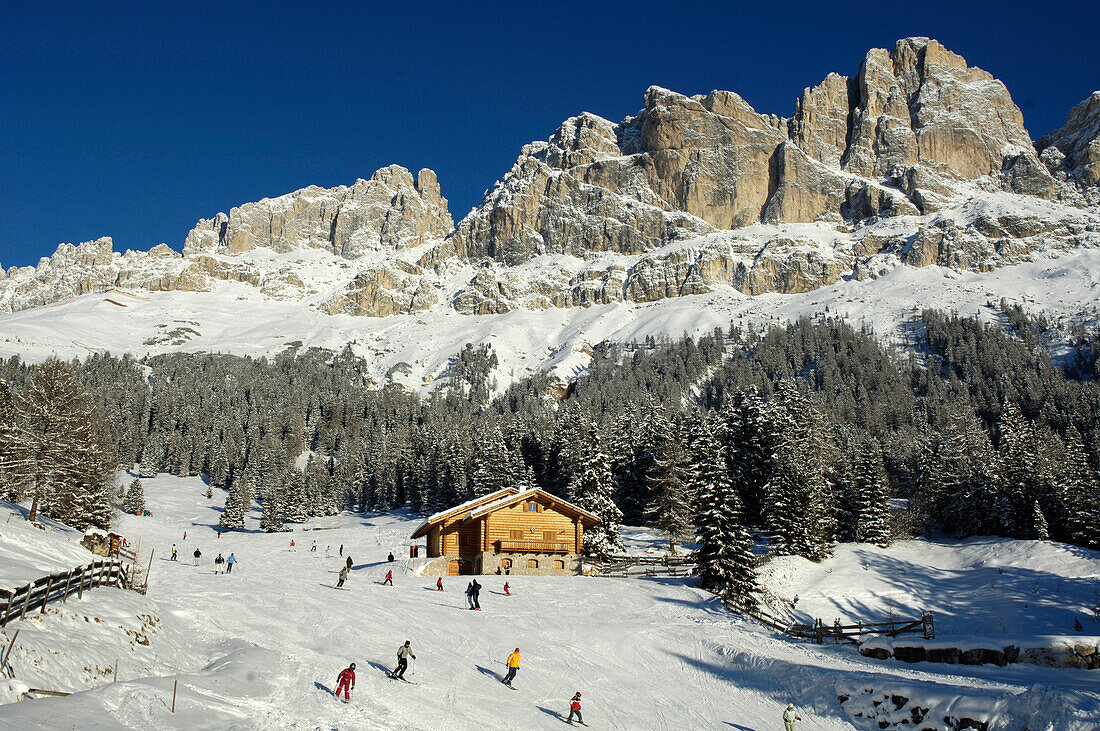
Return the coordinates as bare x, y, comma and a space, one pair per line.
513, 667
475, 590
470, 595
218, 564
341, 549
229, 563
575, 707
348, 562
506, 592
439, 584
345, 679
789, 717
173, 552
343, 576
291, 544
403, 654
198, 555
388, 579
313, 548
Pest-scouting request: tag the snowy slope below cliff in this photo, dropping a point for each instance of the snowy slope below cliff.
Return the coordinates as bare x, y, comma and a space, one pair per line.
260, 648
236, 318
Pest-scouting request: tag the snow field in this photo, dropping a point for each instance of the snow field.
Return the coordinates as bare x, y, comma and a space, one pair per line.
261, 648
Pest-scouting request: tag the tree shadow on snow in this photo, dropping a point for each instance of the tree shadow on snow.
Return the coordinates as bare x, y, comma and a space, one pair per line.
739, 726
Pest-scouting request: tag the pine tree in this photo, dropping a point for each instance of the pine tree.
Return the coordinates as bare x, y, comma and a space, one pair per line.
1039, 529
725, 559
237, 503
59, 449
1082, 494
797, 498
670, 507
870, 495
494, 465
274, 506
592, 490
134, 502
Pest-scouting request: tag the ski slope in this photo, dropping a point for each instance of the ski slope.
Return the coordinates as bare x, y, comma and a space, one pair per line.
260, 648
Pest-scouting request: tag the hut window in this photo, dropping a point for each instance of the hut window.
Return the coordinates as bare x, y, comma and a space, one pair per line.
464, 540
549, 535
532, 507
559, 564
506, 563
517, 535
532, 563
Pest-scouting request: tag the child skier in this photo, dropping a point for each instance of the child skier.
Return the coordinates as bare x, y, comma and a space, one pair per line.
789, 717
575, 707
343, 576
291, 544
345, 679
439, 584
388, 579
506, 592
403, 654
229, 563
513, 668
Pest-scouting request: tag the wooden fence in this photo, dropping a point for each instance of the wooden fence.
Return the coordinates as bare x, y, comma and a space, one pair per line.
821, 632
634, 566
15, 603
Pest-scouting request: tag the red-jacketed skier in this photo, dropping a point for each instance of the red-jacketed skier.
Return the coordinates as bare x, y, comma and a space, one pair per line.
575, 707
388, 579
439, 584
506, 589
345, 682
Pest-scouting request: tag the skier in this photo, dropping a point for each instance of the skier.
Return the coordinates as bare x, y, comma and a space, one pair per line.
439, 584
475, 588
185, 535
343, 576
341, 549
173, 552
575, 707
291, 544
218, 564
506, 592
470, 595
349, 563
789, 717
403, 654
390, 557
197, 554
388, 579
513, 667
229, 563
345, 679
313, 548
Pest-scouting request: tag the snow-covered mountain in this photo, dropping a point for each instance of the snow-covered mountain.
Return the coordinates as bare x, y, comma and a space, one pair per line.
917, 161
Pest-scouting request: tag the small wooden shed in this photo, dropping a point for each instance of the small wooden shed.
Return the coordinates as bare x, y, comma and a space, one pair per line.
510, 531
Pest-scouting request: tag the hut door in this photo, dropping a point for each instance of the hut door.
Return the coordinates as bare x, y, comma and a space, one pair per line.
454, 568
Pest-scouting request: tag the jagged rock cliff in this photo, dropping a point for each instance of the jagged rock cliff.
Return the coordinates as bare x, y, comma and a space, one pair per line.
918, 159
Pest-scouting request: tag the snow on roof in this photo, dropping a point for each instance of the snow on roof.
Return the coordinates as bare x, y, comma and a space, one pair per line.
493, 501
523, 496
469, 504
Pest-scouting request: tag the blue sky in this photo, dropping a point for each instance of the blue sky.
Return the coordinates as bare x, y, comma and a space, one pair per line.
136, 120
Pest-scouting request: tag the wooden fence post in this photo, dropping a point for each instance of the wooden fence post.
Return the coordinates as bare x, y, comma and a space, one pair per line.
26, 602
5, 616
65, 591
80, 584
46, 594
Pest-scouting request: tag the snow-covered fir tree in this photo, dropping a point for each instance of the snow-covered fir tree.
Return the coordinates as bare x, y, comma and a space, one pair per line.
798, 506
1040, 530
237, 503
869, 495
591, 490
745, 432
494, 465
667, 483
134, 502
725, 560
58, 449
1082, 493
273, 508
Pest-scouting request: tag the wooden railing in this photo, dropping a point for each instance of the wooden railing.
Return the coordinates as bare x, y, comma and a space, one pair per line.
535, 546
15, 603
625, 566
